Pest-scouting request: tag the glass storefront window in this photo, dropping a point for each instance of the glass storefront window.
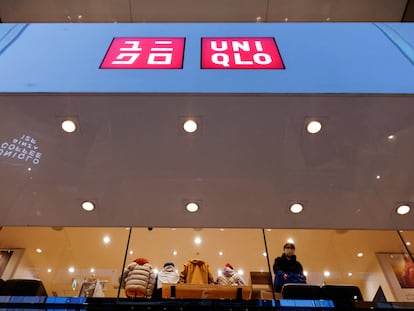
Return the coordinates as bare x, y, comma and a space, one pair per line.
66, 258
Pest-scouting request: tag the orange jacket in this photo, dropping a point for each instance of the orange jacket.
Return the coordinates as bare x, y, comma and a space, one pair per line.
196, 271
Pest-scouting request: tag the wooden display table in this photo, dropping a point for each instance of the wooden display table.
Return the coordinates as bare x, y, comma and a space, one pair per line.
206, 291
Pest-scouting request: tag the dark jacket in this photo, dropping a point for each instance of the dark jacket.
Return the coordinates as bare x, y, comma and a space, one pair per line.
291, 267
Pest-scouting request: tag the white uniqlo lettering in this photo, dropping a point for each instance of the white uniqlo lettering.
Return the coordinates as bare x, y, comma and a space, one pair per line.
262, 58
239, 61
215, 47
128, 58
258, 45
164, 58
244, 46
221, 59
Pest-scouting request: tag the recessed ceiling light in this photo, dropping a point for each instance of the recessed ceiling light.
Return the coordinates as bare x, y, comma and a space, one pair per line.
264, 254
314, 127
326, 273
192, 207
49, 270
190, 126
391, 137
38, 250
69, 126
378, 177
220, 253
349, 273
174, 253
106, 239
403, 209
71, 269
360, 254
88, 206
197, 240
408, 243
240, 272
296, 208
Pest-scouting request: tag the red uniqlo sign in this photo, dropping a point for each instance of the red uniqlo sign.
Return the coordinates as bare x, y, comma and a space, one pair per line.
240, 53
144, 53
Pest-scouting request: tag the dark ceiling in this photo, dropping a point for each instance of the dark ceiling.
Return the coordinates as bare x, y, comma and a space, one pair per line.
120, 11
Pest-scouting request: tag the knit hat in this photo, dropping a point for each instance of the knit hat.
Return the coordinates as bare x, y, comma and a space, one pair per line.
169, 263
289, 245
229, 266
141, 261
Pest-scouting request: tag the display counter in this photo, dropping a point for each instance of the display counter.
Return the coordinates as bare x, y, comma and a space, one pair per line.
206, 291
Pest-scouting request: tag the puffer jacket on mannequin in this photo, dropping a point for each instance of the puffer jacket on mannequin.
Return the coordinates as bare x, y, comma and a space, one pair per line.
196, 271
138, 279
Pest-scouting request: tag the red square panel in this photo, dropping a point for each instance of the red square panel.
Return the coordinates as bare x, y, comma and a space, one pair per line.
240, 53
144, 53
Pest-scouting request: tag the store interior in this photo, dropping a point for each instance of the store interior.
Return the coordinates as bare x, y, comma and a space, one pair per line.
63, 257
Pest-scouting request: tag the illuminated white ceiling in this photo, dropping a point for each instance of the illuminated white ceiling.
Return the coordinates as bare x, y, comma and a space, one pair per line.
249, 160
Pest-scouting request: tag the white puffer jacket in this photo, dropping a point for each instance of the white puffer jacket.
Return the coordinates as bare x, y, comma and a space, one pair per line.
139, 279
167, 275
229, 277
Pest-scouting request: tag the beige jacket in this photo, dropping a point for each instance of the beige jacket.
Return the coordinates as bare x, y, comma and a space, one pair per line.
138, 280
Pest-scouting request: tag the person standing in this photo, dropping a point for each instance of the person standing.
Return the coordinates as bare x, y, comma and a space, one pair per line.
287, 268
